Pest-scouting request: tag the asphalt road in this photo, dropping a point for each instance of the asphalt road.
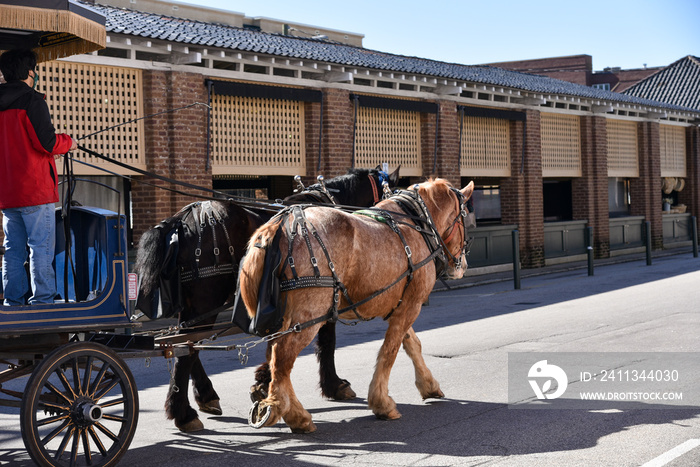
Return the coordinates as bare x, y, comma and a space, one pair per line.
467, 335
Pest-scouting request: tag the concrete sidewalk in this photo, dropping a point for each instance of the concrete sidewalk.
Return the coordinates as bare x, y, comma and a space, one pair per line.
502, 273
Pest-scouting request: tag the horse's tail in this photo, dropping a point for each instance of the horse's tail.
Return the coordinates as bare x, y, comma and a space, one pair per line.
150, 256
253, 266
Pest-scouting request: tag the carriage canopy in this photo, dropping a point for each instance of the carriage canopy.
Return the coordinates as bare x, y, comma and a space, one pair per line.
52, 28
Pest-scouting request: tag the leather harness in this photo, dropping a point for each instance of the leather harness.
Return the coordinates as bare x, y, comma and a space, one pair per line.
414, 208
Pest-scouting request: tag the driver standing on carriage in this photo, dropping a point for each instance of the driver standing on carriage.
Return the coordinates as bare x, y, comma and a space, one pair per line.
28, 180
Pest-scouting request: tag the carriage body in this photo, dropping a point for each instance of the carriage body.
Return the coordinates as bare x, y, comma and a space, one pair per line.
93, 292
53, 373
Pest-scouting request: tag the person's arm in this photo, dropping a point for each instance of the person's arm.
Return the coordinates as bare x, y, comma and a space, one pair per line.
45, 138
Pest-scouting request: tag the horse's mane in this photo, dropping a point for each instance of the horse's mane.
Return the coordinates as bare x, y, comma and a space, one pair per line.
151, 253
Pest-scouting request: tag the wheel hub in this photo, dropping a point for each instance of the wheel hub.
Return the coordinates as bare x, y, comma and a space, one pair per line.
85, 412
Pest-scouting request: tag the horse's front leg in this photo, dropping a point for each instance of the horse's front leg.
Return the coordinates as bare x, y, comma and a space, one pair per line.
332, 386
177, 404
378, 398
425, 382
282, 401
204, 394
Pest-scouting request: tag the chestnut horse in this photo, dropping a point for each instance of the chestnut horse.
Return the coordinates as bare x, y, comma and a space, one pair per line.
211, 238
419, 233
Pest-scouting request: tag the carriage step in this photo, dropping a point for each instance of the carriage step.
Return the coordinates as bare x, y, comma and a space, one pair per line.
122, 341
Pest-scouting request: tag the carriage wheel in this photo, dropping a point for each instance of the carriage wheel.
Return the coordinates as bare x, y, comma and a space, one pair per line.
80, 407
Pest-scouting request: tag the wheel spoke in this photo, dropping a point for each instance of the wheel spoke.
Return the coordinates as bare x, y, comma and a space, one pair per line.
55, 432
97, 440
76, 375
50, 420
112, 403
56, 391
115, 418
106, 431
86, 446
87, 375
64, 380
98, 380
76, 448
106, 389
62, 448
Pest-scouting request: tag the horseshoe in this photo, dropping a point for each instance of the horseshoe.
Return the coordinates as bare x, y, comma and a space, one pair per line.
255, 419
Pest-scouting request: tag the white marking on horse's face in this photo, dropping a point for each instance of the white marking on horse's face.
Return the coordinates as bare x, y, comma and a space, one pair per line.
453, 272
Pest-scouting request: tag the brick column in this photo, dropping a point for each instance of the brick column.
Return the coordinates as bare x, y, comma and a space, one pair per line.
175, 143
690, 196
645, 191
338, 119
521, 193
590, 191
448, 145
427, 146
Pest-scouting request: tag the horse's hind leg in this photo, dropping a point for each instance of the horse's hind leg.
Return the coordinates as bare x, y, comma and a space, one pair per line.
332, 386
204, 394
258, 391
426, 384
177, 405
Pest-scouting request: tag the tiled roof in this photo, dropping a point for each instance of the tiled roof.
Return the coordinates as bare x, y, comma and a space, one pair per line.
156, 26
677, 84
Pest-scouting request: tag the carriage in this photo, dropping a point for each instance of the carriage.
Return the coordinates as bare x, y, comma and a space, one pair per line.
66, 368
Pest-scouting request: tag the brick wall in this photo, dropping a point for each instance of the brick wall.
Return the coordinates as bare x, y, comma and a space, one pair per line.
645, 191
590, 191
176, 145
521, 193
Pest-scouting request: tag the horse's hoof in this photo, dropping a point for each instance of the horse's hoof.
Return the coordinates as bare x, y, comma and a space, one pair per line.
310, 428
212, 407
191, 426
392, 415
258, 416
258, 392
344, 392
435, 394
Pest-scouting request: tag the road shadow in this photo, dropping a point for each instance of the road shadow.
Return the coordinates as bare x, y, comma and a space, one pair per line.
452, 431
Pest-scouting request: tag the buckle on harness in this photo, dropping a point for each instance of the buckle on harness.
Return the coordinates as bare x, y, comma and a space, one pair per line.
198, 252
408, 251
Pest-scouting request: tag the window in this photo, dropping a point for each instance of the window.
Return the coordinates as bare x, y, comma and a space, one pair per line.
603, 86
618, 196
487, 202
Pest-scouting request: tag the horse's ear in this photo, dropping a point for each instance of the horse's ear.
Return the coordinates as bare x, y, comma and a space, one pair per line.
468, 190
394, 177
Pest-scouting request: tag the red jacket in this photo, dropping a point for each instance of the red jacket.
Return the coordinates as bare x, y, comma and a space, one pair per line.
28, 143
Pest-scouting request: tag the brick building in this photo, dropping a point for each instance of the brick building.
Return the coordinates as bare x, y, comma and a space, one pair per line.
549, 157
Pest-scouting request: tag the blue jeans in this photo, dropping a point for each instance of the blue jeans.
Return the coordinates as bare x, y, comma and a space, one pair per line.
33, 226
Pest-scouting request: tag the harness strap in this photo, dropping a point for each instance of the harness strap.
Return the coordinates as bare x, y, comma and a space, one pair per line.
220, 220
198, 250
207, 272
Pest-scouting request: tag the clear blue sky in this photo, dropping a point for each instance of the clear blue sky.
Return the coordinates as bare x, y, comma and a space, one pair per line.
624, 33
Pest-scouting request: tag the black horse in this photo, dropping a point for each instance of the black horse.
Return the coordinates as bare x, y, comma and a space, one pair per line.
188, 264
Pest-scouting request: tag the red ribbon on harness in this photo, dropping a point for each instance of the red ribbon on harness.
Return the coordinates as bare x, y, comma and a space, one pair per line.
374, 188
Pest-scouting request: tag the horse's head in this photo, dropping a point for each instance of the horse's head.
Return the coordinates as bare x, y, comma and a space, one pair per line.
359, 187
448, 208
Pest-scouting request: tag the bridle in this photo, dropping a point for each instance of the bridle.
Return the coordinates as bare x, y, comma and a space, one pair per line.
461, 203
412, 201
